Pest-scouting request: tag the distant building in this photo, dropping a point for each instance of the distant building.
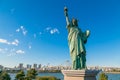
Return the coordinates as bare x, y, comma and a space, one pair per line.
28, 66
20, 66
39, 66
1, 67
35, 66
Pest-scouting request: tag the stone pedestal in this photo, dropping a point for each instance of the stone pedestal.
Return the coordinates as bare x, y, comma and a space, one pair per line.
80, 74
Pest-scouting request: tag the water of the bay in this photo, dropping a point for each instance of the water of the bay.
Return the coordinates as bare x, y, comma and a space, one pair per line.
60, 76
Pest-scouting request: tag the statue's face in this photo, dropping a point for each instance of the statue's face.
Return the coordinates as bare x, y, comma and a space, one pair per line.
74, 22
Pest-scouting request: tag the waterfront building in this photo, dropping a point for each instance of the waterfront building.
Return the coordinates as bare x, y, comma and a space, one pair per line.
21, 66
1, 67
39, 66
28, 66
35, 66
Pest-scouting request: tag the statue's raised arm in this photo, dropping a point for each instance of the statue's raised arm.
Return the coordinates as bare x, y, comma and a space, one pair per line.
66, 15
76, 41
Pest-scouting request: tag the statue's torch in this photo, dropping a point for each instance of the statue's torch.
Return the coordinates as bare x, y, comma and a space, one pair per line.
65, 11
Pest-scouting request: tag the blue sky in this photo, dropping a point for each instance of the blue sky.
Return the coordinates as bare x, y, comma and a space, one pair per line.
33, 31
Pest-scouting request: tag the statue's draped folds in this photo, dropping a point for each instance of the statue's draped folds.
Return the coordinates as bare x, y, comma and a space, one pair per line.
76, 41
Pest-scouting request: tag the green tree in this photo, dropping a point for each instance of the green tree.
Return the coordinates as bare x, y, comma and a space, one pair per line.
27, 78
32, 73
47, 78
0, 72
20, 75
4, 76
103, 76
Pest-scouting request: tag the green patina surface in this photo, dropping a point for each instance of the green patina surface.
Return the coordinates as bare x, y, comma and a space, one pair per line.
76, 40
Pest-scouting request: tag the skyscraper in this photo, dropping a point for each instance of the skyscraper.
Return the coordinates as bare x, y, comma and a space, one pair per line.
20, 66
35, 66
28, 66
39, 66
1, 67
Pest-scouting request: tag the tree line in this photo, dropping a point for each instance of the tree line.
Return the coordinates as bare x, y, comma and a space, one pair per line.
32, 75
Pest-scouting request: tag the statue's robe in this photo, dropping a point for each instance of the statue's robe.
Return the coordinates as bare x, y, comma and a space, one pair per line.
76, 41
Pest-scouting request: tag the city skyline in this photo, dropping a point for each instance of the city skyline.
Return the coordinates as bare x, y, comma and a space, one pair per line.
35, 31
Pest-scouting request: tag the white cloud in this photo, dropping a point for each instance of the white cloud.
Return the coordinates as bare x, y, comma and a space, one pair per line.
4, 41
53, 31
11, 52
14, 52
15, 42
3, 50
29, 46
18, 30
20, 52
48, 28
22, 27
24, 31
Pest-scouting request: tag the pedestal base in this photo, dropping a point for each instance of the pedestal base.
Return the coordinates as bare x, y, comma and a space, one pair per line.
80, 74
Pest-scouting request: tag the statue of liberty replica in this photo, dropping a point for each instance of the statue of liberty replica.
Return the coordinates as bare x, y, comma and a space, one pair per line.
76, 40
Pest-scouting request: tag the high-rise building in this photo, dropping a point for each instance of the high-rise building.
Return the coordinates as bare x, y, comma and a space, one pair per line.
39, 66
21, 66
28, 66
1, 67
35, 66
